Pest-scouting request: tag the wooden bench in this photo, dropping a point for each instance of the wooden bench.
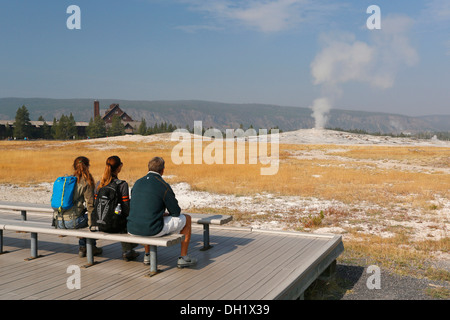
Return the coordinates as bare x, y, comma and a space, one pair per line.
34, 228
204, 219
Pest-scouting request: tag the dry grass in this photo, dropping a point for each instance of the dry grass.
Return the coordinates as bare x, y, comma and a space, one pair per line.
397, 254
438, 157
34, 162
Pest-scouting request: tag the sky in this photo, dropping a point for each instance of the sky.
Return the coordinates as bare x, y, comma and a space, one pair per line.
302, 53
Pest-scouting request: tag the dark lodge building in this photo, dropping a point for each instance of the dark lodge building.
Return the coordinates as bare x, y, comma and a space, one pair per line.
131, 126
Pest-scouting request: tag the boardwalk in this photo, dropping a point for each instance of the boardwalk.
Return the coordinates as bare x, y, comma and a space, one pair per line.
243, 264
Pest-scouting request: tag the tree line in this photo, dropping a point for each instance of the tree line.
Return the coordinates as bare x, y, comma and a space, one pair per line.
66, 129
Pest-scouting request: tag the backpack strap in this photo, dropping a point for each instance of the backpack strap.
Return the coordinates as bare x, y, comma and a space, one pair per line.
117, 185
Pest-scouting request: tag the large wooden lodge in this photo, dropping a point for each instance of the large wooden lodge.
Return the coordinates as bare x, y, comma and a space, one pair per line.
131, 126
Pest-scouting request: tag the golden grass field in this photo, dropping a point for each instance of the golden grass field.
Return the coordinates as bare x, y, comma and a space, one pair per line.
352, 178
407, 185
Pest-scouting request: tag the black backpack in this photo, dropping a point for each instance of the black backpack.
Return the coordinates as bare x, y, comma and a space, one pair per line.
104, 217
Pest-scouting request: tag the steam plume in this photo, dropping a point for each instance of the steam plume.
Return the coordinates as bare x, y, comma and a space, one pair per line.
320, 107
344, 59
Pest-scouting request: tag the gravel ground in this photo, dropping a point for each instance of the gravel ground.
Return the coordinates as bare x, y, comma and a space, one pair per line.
351, 283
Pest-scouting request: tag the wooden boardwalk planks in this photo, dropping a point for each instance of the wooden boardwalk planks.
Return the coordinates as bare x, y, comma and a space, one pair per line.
243, 264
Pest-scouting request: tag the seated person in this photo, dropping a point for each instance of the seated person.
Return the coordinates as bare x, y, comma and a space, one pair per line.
79, 216
150, 197
113, 167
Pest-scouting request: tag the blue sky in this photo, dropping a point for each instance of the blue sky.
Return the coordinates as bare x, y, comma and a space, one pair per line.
283, 52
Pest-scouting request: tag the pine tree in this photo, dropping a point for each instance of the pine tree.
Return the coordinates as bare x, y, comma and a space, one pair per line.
53, 129
96, 128
46, 131
142, 130
65, 128
61, 128
117, 128
71, 127
22, 124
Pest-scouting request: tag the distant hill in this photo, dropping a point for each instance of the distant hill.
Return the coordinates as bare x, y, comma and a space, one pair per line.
225, 115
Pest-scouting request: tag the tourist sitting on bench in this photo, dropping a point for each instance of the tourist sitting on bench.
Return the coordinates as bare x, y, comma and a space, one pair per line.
150, 197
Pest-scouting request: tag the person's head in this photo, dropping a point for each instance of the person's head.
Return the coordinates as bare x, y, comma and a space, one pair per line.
112, 169
81, 170
156, 164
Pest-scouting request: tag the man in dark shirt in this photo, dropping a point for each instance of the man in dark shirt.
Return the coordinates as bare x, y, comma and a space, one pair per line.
150, 197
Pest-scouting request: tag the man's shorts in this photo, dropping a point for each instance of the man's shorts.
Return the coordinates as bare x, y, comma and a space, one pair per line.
172, 225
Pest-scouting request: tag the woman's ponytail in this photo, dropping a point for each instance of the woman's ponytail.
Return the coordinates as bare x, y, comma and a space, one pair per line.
112, 165
81, 170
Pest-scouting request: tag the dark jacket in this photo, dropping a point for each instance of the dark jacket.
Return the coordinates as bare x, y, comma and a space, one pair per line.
150, 197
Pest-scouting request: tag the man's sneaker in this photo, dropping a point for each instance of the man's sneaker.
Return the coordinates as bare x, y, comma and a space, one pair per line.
130, 255
147, 259
186, 262
96, 251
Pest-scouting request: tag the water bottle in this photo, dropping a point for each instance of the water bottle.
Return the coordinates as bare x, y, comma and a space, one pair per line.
118, 209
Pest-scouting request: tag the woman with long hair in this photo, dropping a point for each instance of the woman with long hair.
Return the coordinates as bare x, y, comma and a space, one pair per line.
110, 176
79, 216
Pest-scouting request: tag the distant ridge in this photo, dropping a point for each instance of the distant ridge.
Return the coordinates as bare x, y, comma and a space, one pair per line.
225, 115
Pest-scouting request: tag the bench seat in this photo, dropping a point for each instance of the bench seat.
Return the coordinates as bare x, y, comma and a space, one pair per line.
197, 218
39, 227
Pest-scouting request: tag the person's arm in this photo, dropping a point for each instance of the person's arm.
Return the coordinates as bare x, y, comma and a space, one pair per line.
171, 203
88, 195
125, 198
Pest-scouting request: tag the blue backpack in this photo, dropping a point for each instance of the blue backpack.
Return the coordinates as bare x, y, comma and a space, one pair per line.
63, 190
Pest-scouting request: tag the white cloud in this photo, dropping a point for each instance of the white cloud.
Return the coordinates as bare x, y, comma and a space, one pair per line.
344, 59
393, 50
341, 62
196, 28
437, 10
266, 16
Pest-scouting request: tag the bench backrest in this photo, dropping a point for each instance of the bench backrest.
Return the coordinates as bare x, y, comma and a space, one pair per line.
39, 227
199, 218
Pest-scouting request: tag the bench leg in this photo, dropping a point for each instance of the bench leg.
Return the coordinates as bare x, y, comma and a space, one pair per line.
153, 261
23, 213
206, 245
1, 242
89, 253
34, 246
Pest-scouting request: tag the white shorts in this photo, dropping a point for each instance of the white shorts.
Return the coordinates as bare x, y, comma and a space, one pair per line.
172, 225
